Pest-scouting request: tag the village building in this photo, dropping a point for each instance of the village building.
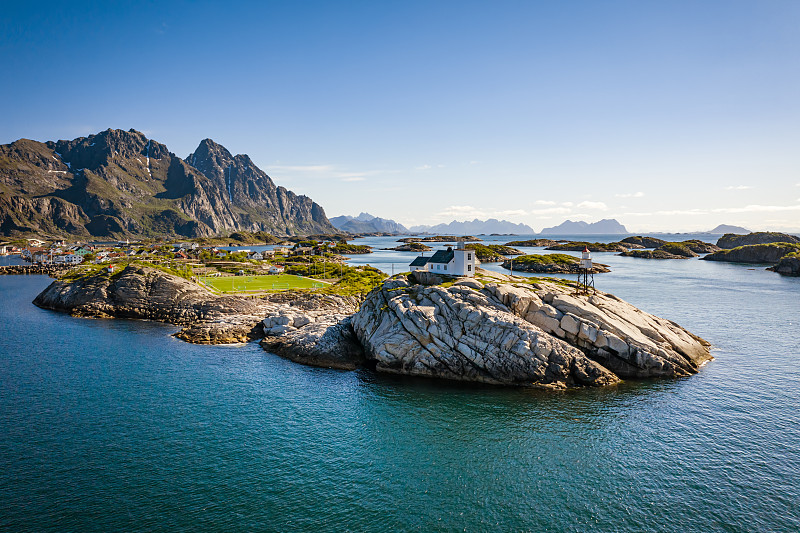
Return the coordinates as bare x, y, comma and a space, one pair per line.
449, 262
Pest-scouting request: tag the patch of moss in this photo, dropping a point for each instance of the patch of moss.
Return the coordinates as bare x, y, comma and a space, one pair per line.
544, 259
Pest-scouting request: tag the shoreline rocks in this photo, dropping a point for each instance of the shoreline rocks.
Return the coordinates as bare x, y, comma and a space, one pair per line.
47, 270
789, 265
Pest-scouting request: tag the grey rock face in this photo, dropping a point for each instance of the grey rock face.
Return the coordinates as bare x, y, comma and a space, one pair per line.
463, 334
520, 334
789, 265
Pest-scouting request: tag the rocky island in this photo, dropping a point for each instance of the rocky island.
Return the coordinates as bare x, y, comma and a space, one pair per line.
493, 329
550, 264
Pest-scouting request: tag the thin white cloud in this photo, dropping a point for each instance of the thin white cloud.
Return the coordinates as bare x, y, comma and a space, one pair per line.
682, 212
303, 168
758, 209
545, 202
592, 205
476, 162
638, 194
551, 211
423, 167
738, 187
468, 212
462, 211
293, 172
511, 213
567, 204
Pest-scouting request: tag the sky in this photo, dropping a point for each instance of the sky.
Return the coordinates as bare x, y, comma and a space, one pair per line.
667, 116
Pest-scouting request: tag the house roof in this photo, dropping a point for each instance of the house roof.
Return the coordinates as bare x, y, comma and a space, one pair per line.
419, 261
442, 256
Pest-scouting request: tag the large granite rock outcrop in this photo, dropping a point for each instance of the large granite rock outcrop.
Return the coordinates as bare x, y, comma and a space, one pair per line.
517, 333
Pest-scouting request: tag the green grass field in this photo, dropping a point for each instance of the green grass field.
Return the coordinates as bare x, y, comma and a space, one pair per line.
261, 283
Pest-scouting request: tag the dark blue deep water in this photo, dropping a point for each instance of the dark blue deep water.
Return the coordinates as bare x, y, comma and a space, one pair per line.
114, 425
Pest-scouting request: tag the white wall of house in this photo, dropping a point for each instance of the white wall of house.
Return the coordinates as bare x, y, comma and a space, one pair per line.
464, 263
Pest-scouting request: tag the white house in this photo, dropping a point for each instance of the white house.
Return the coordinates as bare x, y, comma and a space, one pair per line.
275, 269
458, 262
255, 256
71, 259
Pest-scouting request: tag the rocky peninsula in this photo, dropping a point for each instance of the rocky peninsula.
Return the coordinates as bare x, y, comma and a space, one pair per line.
495, 329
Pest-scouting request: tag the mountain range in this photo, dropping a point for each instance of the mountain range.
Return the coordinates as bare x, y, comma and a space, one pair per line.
366, 223
476, 227
120, 183
601, 227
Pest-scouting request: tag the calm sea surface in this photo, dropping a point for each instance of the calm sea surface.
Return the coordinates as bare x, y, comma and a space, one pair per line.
114, 425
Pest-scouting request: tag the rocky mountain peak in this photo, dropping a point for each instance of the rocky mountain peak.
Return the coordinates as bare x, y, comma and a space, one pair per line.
118, 182
100, 149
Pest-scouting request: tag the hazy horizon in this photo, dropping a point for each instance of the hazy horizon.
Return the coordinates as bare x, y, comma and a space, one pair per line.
666, 117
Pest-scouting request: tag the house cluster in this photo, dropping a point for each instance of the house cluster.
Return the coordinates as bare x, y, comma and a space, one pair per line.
60, 252
449, 262
57, 254
7, 249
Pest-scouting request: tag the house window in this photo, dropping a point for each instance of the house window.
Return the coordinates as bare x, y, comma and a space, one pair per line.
469, 268
469, 257
445, 267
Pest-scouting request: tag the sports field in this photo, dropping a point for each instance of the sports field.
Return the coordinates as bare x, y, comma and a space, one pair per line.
261, 283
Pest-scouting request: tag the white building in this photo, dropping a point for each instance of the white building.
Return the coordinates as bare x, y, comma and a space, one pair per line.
458, 262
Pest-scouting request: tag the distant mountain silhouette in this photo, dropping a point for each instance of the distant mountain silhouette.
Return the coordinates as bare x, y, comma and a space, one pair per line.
366, 223
605, 226
476, 227
726, 228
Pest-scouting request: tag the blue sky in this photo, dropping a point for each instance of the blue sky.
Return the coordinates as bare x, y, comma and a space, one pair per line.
665, 115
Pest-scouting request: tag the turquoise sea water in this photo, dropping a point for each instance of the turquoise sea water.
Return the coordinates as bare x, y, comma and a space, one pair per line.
114, 425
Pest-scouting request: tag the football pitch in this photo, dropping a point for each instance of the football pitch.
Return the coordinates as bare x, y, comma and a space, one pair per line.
261, 283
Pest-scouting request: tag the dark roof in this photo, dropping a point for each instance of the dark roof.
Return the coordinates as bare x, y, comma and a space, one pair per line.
442, 256
419, 261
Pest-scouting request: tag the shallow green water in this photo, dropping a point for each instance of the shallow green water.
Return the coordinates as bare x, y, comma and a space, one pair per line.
114, 425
